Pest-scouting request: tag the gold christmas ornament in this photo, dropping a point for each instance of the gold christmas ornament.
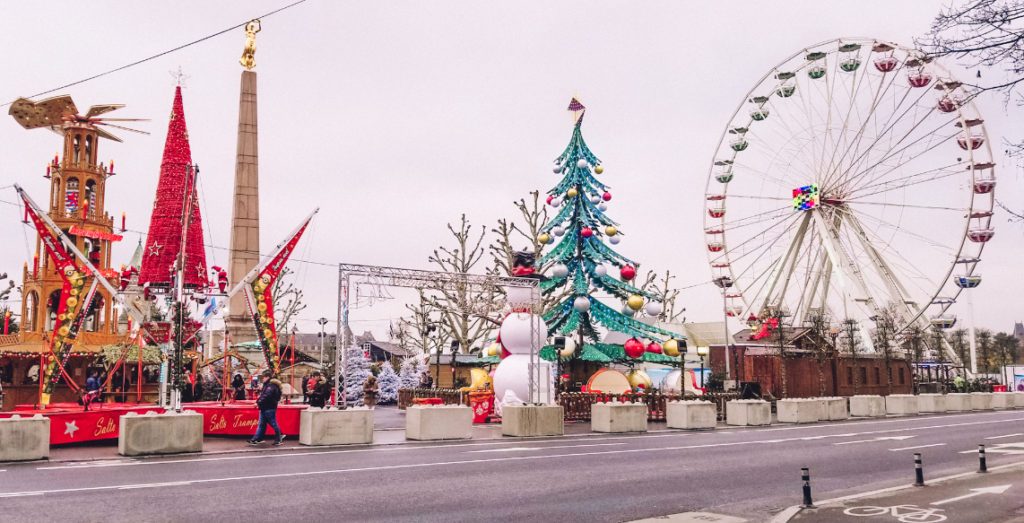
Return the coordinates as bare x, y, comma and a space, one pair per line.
671, 348
635, 302
72, 301
268, 334
572, 192
63, 330
598, 169
544, 238
638, 377
262, 307
74, 291
610, 230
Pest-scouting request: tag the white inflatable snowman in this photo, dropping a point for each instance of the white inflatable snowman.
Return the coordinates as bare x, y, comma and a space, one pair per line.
518, 339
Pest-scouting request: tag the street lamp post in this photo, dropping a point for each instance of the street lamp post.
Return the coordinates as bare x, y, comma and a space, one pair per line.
834, 334
724, 282
323, 322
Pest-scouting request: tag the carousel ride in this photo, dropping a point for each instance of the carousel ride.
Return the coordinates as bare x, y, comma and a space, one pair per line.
75, 233
856, 179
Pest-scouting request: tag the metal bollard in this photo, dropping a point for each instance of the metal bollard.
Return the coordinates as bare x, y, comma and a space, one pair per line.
982, 467
805, 476
918, 471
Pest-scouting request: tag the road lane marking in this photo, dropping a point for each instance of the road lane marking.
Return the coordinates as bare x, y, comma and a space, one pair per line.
918, 447
883, 438
976, 492
1006, 436
153, 485
520, 449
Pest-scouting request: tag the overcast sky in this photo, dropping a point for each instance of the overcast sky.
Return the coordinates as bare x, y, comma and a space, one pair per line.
395, 117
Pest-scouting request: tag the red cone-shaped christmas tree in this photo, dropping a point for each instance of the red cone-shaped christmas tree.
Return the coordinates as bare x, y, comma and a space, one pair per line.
176, 182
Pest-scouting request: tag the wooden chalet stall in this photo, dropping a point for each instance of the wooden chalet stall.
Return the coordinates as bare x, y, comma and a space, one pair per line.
812, 367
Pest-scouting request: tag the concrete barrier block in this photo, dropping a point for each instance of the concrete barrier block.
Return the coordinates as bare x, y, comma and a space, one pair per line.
867, 406
981, 401
958, 402
798, 410
1003, 400
834, 408
532, 420
433, 422
336, 427
901, 404
153, 433
1018, 400
748, 412
618, 417
931, 403
24, 439
694, 414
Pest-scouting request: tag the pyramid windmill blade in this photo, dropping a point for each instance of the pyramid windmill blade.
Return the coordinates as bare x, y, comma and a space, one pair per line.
121, 127
97, 110
124, 120
45, 113
108, 136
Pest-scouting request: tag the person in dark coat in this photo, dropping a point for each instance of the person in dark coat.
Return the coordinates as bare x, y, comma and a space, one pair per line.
270, 395
305, 389
319, 391
238, 383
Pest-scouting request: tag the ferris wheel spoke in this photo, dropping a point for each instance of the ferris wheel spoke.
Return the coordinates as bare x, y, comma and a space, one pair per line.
865, 121
781, 111
909, 206
765, 175
890, 125
743, 247
894, 185
754, 219
870, 177
903, 230
926, 135
758, 197
843, 142
842, 259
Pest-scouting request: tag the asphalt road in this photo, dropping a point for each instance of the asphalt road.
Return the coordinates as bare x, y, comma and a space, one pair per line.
753, 473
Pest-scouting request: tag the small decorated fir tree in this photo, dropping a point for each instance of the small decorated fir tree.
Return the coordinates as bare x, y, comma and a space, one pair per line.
409, 375
387, 384
357, 369
583, 263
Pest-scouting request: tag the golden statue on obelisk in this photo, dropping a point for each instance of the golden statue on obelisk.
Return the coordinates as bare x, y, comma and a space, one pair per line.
248, 59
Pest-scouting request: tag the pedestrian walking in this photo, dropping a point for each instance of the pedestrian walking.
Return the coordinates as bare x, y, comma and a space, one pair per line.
305, 389
270, 395
370, 391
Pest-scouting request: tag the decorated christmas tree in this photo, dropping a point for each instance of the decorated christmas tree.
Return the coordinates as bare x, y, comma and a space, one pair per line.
357, 369
583, 265
387, 384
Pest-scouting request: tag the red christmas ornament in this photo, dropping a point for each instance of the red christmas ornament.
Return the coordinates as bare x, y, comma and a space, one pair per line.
654, 347
586, 232
627, 273
164, 240
634, 348
549, 199
607, 196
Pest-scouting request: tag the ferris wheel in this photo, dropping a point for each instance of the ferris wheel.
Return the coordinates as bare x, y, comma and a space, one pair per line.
856, 177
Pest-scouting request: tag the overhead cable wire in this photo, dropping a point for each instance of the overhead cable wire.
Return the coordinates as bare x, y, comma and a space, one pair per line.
158, 55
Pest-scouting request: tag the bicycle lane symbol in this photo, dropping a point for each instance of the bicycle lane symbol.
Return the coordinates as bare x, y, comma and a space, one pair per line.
902, 513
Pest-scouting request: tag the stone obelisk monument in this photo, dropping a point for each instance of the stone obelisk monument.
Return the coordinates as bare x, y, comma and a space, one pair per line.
245, 215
